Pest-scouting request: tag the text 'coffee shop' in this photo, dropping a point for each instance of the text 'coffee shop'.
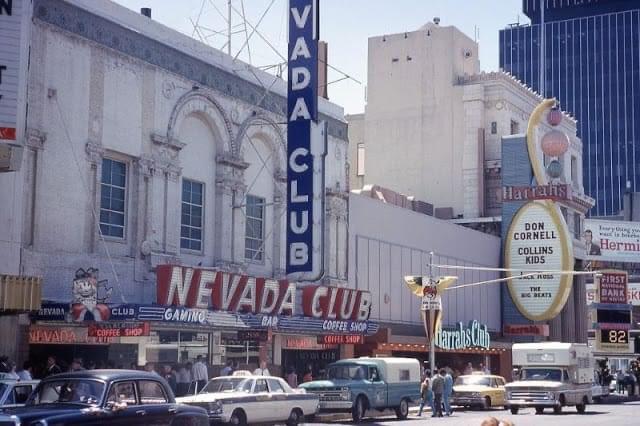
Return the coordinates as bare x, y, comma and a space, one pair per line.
216, 314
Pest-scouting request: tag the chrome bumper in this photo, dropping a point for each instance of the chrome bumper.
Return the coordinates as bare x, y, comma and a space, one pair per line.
336, 405
467, 400
531, 402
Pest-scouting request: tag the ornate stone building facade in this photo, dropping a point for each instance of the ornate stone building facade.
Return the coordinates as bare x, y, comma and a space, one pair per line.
146, 147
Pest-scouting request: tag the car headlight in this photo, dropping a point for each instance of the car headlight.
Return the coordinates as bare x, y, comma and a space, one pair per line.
551, 395
476, 394
508, 395
215, 407
345, 394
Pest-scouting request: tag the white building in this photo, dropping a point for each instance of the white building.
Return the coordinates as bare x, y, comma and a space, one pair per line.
146, 147
433, 124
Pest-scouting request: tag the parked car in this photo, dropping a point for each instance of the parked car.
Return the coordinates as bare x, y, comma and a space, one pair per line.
240, 400
360, 384
479, 390
103, 397
14, 393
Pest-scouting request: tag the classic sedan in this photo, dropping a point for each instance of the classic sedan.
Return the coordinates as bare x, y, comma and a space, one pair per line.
479, 390
240, 400
103, 397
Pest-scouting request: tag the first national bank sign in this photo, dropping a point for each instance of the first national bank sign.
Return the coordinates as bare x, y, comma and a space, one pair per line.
306, 147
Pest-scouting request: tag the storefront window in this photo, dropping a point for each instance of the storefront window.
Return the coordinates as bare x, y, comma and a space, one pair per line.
170, 346
241, 352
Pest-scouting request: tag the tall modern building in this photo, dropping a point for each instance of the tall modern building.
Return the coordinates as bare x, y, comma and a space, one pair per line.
592, 65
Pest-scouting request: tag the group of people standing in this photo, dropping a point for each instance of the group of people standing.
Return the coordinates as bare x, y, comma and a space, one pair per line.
436, 391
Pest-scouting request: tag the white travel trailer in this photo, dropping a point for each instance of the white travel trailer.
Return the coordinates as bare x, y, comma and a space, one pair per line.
552, 374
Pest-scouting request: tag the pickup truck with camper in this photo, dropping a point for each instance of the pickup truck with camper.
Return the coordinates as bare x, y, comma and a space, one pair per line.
364, 384
551, 375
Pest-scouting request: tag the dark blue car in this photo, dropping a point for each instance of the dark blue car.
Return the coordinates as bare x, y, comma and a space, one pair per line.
104, 397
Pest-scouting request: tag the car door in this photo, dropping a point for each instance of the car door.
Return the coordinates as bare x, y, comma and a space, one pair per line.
20, 393
122, 392
494, 392
378, 395
260, 406
501, 390
154, 402
279, 401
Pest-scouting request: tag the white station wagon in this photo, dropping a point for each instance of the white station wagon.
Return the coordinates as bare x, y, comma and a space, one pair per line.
241, 400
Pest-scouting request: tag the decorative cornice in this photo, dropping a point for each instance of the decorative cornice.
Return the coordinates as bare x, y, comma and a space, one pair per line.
163, 141
280, 176
128, 41
232, 161
36, 138
509, 79
146, 166
94, 151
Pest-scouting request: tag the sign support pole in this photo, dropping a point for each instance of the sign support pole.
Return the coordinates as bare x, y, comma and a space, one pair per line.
432, 342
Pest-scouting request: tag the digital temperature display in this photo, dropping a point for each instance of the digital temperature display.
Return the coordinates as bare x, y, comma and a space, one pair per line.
614, 336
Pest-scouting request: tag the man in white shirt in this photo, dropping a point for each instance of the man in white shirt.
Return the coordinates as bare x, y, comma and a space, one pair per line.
25, 373
262, 370
200, 373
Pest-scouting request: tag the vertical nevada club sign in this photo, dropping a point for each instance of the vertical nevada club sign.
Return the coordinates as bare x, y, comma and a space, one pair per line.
306, 147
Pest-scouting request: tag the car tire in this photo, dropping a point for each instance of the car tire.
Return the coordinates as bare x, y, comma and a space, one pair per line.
294, 417
238, 418
402, 412
486, 405
582, 407
557, 409
358, 410
539, 410
514, 410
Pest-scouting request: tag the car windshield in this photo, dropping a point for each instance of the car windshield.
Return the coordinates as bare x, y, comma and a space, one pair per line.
473, 380
74, 391
347, 372
227, 384
549, 374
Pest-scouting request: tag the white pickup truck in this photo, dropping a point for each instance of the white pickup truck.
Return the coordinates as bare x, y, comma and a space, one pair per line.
551, 375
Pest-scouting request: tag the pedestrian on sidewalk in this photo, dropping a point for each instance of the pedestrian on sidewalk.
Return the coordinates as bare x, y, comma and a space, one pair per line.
437, 386
200, 373
27, 372
448, 390
620, 381
184, 379
170, 376
52, 367
426, 396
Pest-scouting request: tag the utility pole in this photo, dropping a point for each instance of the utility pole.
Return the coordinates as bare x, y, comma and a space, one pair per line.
229, 27
542, 51
432, 341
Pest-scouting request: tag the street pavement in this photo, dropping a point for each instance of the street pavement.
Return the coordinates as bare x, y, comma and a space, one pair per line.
618, 414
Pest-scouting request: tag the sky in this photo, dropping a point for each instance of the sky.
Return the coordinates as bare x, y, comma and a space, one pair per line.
344, 24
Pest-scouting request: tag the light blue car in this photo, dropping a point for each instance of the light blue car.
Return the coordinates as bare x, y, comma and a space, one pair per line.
360, 384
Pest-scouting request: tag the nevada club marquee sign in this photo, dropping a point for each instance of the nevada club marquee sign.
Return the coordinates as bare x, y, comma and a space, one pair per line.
195, 295
306, 147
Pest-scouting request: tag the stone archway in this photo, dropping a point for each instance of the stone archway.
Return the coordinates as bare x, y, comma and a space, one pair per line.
206, 106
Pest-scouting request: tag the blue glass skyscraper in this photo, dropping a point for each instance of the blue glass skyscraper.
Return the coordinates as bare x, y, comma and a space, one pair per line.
592, 66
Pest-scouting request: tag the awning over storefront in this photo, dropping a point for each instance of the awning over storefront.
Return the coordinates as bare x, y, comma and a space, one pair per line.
20, 294
207, 318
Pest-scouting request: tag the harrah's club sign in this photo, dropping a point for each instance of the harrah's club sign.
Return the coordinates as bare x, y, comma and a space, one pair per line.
208, 289
306, 147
